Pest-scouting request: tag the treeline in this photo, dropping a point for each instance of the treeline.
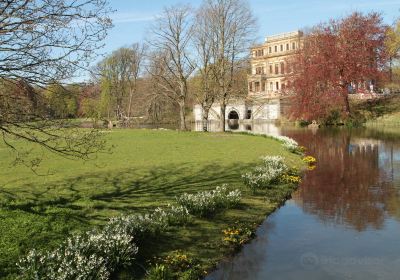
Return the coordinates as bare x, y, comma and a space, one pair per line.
190, 56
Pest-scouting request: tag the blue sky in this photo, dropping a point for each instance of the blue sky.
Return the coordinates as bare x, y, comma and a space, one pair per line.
133, 17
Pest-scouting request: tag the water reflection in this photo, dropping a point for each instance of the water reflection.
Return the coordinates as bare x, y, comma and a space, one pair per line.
342, 223
349, 186
261, 127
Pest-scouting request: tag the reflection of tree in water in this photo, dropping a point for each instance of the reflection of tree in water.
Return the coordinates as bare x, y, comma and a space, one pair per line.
347, 187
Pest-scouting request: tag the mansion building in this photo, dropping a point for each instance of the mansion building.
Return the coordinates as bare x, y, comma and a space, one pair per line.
264, 101
268, 64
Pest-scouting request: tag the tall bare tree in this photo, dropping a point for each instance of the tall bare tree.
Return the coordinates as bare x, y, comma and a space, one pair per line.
118, 74
205, 87
171, 64
42, 41
231, 32
136, 61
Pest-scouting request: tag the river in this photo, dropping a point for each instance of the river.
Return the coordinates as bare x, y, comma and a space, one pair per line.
342, 223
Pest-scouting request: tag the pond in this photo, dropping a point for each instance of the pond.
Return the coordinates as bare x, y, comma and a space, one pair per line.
342, 223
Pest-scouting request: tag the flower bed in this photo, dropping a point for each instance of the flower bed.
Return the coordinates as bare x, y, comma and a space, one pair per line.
98, 253
265, 175
206, 203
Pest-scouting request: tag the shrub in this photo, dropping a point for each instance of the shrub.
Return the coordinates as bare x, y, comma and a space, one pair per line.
208, 202
91, 255
266, 174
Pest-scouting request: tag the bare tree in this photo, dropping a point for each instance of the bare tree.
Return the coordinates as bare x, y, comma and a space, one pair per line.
42, 41
206, 89
46, 40
136, 61
118, 74
171, 64
231, 30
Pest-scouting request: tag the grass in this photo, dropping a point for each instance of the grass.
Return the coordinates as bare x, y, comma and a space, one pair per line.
384, 111
146, 169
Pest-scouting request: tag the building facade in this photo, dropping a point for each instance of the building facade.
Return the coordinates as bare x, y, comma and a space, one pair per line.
265, 82
269, 64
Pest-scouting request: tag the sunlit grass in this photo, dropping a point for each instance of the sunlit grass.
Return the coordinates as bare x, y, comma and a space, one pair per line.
146, 169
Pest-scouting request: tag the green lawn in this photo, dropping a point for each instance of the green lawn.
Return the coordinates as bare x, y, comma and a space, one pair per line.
384, 111
146, 169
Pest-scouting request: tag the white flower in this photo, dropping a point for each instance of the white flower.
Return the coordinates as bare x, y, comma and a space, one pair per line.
264, 175
288, 143
208, 202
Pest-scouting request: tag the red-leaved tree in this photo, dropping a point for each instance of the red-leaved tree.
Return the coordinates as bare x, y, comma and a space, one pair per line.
337, 58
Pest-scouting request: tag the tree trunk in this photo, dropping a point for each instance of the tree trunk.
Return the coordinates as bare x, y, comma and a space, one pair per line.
130, 105
222, 117
347, 103
205, 119
182, 115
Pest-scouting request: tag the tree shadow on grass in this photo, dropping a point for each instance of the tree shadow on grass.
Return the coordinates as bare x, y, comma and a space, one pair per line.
127, 190
59, 208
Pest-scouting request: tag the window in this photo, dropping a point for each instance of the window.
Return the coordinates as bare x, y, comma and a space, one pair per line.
276, 48
257, 86
276, 69
248, 115
251, 86
293, 46
271, 86
282, 68
270, 49
287, 46
259, 70
281, 48
271, 71
277, 85
262, 86
260, 53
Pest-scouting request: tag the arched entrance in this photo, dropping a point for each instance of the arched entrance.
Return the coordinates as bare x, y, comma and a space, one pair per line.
233, 120
233, 115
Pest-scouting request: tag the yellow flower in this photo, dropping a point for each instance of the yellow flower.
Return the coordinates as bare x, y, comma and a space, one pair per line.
310, 160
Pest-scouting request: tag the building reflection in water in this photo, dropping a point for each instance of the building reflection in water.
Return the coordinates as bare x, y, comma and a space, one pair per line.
261, 127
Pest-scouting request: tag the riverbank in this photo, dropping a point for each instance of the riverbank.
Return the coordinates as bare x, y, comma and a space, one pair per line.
344, 220
379, 112
147, 169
